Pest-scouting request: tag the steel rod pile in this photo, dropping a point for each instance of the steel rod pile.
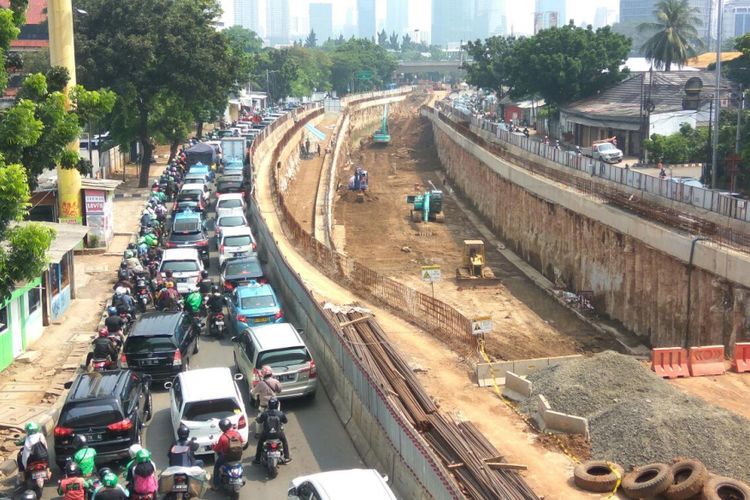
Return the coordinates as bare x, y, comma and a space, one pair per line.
475, 463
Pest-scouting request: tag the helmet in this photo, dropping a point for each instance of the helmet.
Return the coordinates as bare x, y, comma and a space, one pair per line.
225, 424
214, 288
155, 185
104, 332
109, 480
32, 428
123, 266
72, 469
142, 456
204, 274
128, 254
183, 432
168, 273
28, 495
112, 310
266, 371
169, 284
79, 441
273, 404
121, 290
131, 246
134, 449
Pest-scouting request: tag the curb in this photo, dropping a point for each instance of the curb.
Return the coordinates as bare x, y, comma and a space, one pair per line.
129, 195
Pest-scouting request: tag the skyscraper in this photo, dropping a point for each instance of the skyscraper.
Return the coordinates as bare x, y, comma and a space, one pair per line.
634, 12
549, 14
247, 14
278, 22
321, 21
736, 21
366, 18
452, 21
489, 18
397, 16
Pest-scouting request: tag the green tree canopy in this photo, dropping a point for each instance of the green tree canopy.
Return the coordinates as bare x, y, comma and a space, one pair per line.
360, 64
674, 35
490, 63
312, 40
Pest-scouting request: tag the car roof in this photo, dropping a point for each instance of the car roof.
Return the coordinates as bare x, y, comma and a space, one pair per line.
228, 196
98, 385
207, 383
276, 336
187, 215
230, 214
338, 484
155, 323
193, 185
236, 231
255, 290
180, 254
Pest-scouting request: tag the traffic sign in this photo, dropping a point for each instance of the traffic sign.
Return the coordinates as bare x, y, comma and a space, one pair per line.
481, 325
364, 74
430, 274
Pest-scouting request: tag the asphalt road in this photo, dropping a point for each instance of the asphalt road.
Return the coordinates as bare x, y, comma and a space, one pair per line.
317, 438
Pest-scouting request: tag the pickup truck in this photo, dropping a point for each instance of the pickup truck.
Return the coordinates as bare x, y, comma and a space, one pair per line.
604, 151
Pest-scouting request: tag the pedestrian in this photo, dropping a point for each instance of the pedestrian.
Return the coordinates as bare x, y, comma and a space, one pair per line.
318, 149
662, 172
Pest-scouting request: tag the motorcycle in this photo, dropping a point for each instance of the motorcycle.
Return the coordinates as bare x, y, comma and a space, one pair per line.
216, 324
36, 474
231, 479
102, 365
182, 483
273, 450
143, 294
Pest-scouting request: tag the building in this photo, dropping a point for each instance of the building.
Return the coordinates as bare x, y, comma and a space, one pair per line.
604, 17
397, 16
247, 13
549, 14
34, 34
489, 18
366, 18
277, 22
321, 21
736, 20
35, 304
634, 12
452, 21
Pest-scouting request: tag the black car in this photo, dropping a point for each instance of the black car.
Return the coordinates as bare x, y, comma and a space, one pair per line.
235, 272
231, 184
160, 344
189, 231
109, 408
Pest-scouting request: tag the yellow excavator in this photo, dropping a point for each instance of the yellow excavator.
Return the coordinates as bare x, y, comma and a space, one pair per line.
474, 269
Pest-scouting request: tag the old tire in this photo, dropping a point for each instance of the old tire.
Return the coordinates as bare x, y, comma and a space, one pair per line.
596, 476
647, 481
689, 478
724, 488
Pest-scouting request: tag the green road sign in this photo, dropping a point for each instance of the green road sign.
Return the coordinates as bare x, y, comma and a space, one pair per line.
364, 74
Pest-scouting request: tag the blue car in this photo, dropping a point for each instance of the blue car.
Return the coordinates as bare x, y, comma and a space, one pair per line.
254, 304
233, 165
200, 168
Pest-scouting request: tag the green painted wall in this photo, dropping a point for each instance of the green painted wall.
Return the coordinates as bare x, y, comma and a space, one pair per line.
6, 338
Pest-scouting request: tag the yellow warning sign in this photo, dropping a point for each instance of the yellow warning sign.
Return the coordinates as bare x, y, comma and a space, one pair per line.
430, 274
481, 325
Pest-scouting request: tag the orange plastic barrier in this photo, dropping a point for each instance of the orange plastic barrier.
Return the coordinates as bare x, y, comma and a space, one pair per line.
706, 360
741, 360
670, 362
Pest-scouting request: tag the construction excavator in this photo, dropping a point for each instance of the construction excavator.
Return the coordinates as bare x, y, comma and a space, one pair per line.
474, 269
428, 206
381, 136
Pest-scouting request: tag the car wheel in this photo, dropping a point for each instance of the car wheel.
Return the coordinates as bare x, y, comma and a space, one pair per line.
311, 397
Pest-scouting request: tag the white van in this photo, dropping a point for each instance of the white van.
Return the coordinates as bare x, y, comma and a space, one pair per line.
236, 242
186, 267
339, 485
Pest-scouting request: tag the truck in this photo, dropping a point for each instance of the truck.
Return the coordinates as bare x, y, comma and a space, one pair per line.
604, 150
233, 148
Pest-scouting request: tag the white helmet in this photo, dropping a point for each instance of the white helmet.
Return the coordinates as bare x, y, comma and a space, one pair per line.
121, 290
134, 448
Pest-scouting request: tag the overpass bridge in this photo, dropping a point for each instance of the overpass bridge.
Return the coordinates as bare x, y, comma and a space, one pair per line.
442, 67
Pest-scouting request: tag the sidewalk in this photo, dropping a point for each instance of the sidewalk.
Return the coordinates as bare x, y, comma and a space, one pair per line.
32, 386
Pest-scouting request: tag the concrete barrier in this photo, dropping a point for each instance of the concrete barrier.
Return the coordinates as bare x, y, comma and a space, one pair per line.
520, 367
516, 388
554, 421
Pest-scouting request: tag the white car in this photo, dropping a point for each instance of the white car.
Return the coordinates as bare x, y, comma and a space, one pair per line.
201, 190
236, 242
230, 203
340, 485
186, 267
228, 220
201, 398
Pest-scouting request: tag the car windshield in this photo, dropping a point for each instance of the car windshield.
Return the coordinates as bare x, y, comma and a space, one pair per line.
90, 413
249, 267
201, 411
189, 195
237, 241
606, 147
282, 358
231, 221
231, 203
187, 226
257, 302
142, 344
228, 186
179, 266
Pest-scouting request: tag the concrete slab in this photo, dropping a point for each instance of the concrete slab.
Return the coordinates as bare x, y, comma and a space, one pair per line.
29, 357
520, 367
15, 415
516, 388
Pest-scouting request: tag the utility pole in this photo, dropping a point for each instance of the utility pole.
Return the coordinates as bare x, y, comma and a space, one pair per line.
62, 53
717, 107
740, 106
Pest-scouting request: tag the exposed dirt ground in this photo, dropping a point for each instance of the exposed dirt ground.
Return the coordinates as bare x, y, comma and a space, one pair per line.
726, 391
379, 233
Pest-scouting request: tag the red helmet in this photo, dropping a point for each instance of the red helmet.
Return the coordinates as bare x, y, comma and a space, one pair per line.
104, 332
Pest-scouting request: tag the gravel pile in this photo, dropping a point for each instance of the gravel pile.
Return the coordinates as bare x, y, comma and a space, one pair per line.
636, 418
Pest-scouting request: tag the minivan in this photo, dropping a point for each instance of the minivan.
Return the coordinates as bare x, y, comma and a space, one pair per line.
236, 242
186, 266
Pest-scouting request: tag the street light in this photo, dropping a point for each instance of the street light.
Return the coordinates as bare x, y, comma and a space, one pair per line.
717, 107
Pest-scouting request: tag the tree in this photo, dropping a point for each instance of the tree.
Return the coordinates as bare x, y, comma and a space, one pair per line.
360, 64
312, 40
564, 64
142, 49
383, 38
393, 41
91, 106
243, 39
406, 43
489, 64
674, 37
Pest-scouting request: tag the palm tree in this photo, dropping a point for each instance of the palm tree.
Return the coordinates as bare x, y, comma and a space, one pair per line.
675, 36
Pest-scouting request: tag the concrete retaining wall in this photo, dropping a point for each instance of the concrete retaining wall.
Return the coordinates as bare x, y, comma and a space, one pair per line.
554, 421
636, 269
520, 367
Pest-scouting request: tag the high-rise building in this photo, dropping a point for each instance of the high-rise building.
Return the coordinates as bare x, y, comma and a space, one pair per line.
549, 14
736, 18
489, 18
634, 12
366, 18
397, 16
247, 13
321, 21
277, 22
452, 21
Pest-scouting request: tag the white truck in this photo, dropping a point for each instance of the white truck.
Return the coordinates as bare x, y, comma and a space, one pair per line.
233, 148
604, 151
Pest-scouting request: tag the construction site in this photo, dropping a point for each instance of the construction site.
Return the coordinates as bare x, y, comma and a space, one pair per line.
511, 330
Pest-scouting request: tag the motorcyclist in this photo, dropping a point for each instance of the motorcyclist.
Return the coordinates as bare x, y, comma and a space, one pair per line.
84, 456
182, 452
73, 486
272, 420
215, 301
205, 284
169, 298
194, 302
123, 301
114, 323
144, 474
103, 347
110, 489
264, 391
223, 449
34, 449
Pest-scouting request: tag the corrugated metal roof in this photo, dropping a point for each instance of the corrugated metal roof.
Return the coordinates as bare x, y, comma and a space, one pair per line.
67, 237
105, 184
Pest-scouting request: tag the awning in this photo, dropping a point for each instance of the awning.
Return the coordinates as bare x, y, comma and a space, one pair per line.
67, 237
315, 132
104, 184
